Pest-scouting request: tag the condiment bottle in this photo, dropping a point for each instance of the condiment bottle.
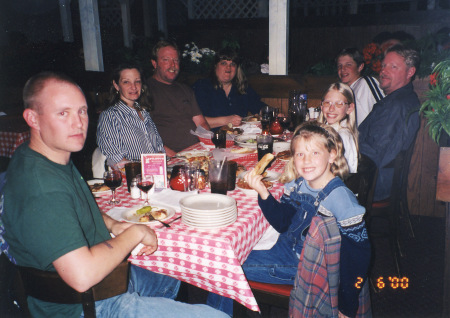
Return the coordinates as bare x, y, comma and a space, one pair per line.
275, 127
134, 190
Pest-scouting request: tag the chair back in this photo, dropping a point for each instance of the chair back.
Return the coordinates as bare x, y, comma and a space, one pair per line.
362, 183
49, 287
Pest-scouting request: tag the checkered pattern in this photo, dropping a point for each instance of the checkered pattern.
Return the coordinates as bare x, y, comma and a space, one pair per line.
9, 141
209, 259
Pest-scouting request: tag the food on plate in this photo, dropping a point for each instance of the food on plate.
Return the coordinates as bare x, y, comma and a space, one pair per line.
201, 157
262, 164
241, 183
230, 130
284, 155
99, 187
255, 117
144, 210
148, 213
240, 168
243, 150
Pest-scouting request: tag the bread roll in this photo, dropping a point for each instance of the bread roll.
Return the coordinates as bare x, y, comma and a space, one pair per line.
262, 164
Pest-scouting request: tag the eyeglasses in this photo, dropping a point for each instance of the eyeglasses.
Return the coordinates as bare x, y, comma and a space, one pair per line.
338, 104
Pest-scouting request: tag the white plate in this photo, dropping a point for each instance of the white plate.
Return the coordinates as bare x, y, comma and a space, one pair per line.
131, 217
207, 202
247, 141
281, 146
209, 226
99, 193
194, 153
271, 176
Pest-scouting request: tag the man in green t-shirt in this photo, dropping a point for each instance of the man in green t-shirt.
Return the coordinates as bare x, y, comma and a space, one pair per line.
53, 223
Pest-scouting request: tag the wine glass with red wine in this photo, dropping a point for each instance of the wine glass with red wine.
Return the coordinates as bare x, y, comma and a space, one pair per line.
145, 183
113, 179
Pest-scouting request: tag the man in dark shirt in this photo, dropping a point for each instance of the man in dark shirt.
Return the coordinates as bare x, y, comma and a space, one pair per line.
175, 109
394, 121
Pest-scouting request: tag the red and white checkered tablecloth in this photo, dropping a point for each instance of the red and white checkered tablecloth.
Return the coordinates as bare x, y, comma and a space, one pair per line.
10, 140
209, 259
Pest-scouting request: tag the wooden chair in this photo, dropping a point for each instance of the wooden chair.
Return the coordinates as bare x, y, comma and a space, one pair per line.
49, 287
393, 208
362, 184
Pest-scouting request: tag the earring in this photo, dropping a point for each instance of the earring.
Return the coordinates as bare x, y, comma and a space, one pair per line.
117, 92
142, 91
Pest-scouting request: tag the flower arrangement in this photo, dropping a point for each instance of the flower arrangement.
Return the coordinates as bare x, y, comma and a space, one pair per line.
436, 107
195, 60
373, 56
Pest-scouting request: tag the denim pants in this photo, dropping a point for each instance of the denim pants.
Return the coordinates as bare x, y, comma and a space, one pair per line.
151, 295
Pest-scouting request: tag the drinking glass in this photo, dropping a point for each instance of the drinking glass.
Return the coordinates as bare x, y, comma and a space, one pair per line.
285, 121
219, 139
145, 183
113, 179
218, 176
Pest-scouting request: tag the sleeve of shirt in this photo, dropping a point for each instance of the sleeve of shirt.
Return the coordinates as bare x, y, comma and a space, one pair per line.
278, 214
254, 101
354, 263
385, 133
108, 136
355, 246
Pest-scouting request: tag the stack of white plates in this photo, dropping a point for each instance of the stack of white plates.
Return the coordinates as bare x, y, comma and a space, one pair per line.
208, 211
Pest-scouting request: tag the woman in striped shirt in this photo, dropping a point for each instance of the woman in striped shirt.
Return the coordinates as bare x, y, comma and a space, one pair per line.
126, 130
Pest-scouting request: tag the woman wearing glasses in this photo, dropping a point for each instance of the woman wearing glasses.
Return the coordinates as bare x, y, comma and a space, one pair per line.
338, 111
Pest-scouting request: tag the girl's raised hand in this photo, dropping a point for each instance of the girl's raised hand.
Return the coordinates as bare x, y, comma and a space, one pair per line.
255, 182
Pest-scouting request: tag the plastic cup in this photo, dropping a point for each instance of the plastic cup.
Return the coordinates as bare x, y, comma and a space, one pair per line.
132, 169
218, 176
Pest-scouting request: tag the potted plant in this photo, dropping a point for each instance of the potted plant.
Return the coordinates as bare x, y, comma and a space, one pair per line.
436, 107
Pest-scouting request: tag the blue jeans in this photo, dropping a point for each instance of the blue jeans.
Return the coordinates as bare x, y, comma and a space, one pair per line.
275, 266
151, 294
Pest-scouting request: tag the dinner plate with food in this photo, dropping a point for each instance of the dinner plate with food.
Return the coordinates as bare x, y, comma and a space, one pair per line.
98, 187
147, 214
246, 141
254, 119
258, 169
283, 155
232, 130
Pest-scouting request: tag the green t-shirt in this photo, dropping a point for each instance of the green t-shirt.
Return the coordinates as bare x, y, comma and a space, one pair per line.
48, 212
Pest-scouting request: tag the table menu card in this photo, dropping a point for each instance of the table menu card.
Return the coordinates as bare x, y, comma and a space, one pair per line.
155, 164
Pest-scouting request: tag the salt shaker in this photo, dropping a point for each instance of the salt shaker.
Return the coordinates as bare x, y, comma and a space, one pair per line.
134, 190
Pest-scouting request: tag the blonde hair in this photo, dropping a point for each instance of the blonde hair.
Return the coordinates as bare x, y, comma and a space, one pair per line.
328, 137
347, 92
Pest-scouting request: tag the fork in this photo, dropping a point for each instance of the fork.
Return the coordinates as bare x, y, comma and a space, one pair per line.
167, 224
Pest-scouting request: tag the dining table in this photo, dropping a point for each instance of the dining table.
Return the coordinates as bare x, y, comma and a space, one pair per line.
210, 259
13, 132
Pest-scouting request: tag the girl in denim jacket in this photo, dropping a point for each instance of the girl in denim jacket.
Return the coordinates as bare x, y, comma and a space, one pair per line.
313, 184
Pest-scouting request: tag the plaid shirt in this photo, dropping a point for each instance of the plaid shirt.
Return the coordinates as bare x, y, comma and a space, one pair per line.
315, 292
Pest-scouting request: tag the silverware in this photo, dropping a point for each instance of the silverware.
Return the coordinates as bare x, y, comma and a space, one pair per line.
167, 224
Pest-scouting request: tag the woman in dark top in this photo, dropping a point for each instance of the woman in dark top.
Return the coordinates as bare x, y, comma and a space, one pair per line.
225, 96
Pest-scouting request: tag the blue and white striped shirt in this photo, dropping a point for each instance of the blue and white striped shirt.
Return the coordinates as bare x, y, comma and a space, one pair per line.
122, 134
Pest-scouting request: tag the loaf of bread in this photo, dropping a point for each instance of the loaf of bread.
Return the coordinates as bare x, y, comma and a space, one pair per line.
262, 164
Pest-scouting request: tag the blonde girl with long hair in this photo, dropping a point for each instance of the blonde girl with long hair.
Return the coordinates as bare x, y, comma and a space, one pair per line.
315, 172
338, 111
